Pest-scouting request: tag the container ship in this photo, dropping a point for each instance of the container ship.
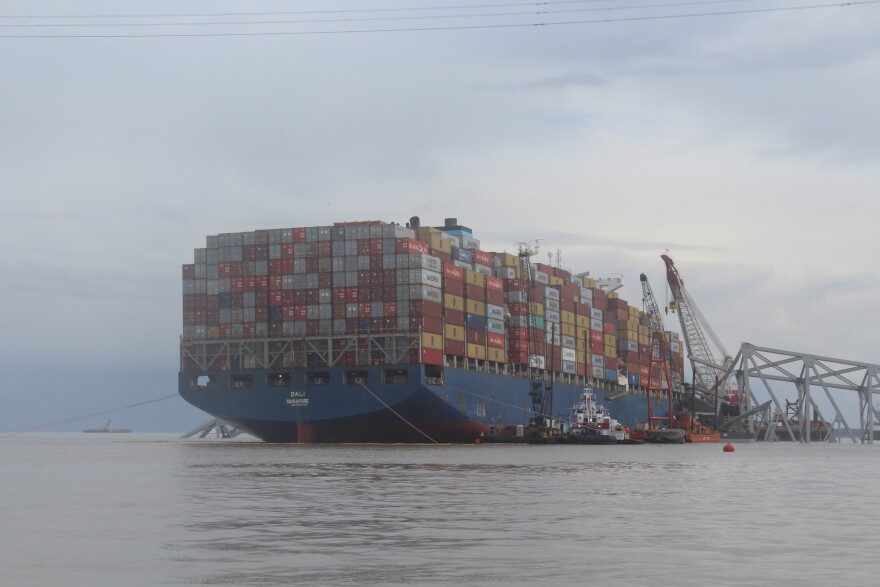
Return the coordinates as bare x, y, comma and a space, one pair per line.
378, 332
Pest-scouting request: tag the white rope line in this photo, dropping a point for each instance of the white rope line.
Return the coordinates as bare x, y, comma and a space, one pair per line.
390, 409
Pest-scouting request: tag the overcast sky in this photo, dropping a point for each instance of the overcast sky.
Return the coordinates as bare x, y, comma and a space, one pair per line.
745, 144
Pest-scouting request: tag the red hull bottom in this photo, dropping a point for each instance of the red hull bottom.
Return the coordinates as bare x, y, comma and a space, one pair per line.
696, 438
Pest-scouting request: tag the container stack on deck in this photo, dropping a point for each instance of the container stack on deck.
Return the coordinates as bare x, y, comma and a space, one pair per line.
469, 306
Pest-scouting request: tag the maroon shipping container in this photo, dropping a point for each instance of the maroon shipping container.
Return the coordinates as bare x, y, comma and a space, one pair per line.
476, 336
189, 271
496, 298
454, 317
495, 340
474, 292
432, 325
482, 258
454, 347
453, 287
597, 336
597, 348
567, 304
287, 251
425, 308
275, 283
609, 328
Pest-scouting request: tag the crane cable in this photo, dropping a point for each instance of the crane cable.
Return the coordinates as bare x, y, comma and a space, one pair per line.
36, 427
390, 409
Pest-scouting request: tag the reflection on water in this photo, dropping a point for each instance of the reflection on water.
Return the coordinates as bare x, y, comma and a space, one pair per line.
515, 515
100, 511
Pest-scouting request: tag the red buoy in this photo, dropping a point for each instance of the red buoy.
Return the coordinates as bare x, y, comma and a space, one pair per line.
729, 447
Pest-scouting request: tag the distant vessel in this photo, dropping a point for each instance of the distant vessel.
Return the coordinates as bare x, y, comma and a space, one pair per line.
107, 428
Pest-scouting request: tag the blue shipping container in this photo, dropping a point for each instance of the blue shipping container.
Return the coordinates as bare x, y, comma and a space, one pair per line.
611, 374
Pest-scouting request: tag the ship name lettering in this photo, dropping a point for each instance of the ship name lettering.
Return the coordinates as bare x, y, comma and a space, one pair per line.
297, 394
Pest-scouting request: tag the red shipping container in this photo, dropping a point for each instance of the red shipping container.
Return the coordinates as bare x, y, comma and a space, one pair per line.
455, 288
261, 283
376, 246
408, 245
313, 296
454, 347
475, 292
538, 296
567, 305
517, 309
276, 283
299, 235
432, 325
597, 348
339, 311
225, 331
513, 285
250, 329
496, 298
423, 308
338, 295
390, 309
495, 340
261, 252
597, 336
515, 333
351, 295
476, 336
482, 258
454, 317
452, 272
432, 356
363, 247
494, 284
287, 251
189, 271
275, 268
609, 328
365, 310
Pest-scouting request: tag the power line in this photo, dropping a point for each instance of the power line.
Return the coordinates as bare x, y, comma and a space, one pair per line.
449, 28
368, 19
37, 427
304, 12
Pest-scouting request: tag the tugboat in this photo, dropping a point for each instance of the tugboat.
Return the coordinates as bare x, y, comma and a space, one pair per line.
107, 429
589, 424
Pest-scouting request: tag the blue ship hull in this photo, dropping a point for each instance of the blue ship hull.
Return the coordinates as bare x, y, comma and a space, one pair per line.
415, 409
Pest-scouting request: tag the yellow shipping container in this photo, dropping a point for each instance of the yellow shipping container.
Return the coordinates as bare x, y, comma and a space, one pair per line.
432, 341
610, 351
508, 260
553, 280
474, 278
536, 309
610, 340
583, 321
582, 333
581, 346
424, 233
438, 243
567, 329
589, 282
476, 351
644, 330
454, 332
496, 355
453, 302
644, 339
476, 308
567, 317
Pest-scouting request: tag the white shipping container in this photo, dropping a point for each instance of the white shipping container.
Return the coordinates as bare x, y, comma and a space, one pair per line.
453, 240
551, 293
569, 367
496, 326
403, 232
551, 316
551, 305
425, 277
493, 311
536, 362
596, 325
516, 297
596, 314
469, 243
568, 342
553, 338
426, 293
505, 272
484, 269
462, 264
587, 293
422, 261
569, 354
541, 277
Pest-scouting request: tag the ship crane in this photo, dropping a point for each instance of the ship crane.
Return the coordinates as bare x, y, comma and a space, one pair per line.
659, 380
695, 329
540, 391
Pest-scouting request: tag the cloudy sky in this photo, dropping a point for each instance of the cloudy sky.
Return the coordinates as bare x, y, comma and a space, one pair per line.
746, 144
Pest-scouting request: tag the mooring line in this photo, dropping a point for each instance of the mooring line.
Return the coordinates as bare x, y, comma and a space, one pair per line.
36, 427
390, 409
498, 401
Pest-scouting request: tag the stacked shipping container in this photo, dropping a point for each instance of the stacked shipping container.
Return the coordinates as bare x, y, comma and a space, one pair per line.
371, 277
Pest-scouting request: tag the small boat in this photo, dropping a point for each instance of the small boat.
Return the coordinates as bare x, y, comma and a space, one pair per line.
589, 419
107, 428
665, 436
